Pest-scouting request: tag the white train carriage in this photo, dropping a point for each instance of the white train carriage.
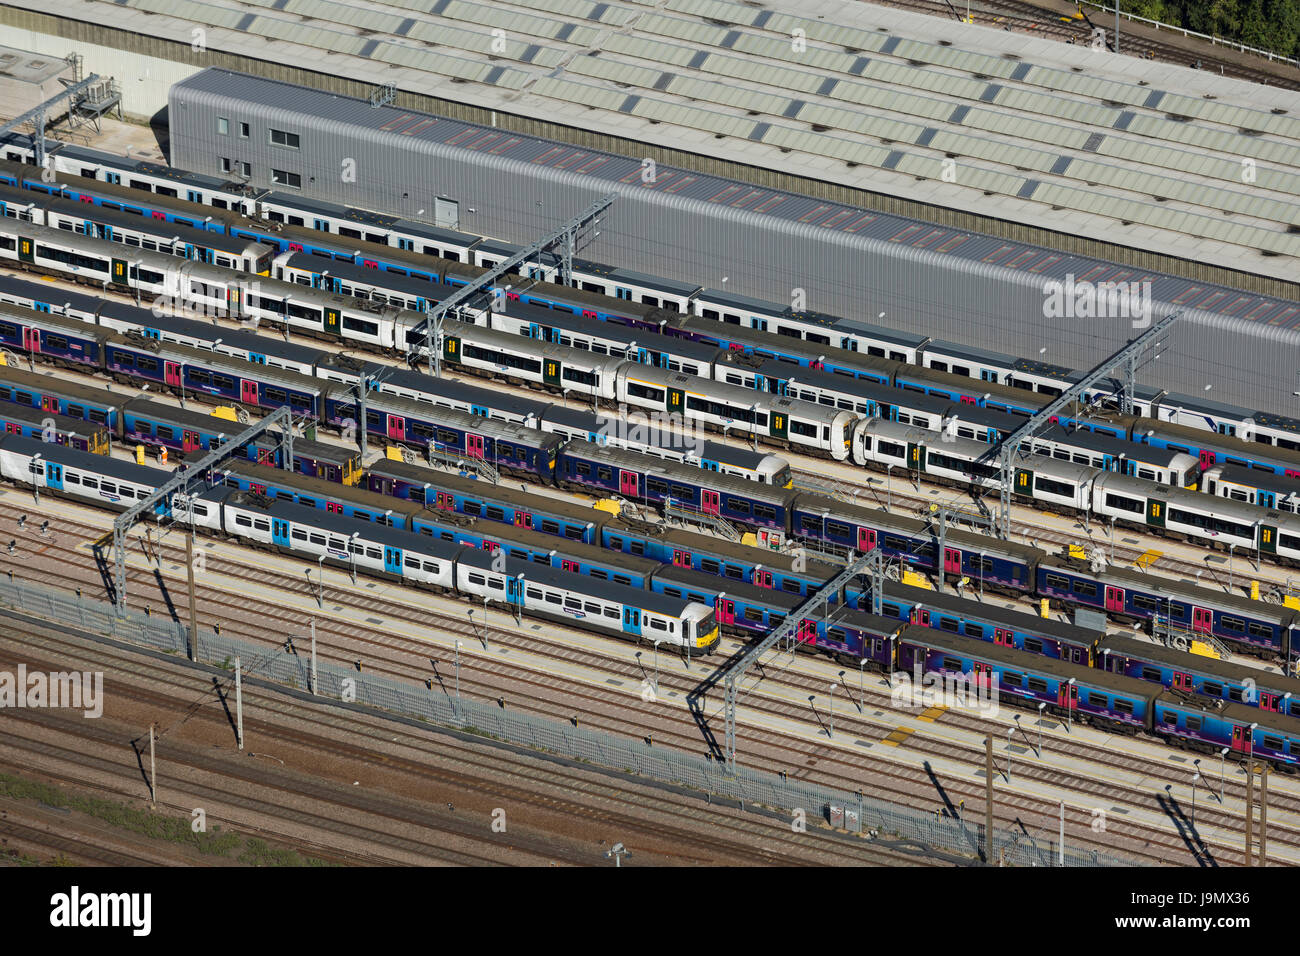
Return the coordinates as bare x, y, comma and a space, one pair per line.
731, 408
93, 479
586, 375
1252, 486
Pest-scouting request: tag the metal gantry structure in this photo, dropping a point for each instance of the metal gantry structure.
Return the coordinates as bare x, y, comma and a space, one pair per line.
181, 482
432, 324
1008, 449
788, 632
37, 114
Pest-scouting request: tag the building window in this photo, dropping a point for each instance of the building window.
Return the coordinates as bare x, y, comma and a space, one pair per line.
243, 130
223, 126
282, 178
279, 137
225, 165
246, 169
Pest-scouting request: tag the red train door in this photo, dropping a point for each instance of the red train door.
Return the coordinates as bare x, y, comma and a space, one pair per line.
628, 484
1202, 620
951, 561
172, 374
333, 507
567, 565
474, 446
248, 392
1003, 636
1115, 599
1068, 695
49, 403
921, 616
866, 539
523, 519
1182, 681
189, 440
265, 456
807, 631
1207, 460
726, 610
763, 579
709, 502
396, 427
681, 559
32, 340
1240, 738
983, 674
13, 428
446, 502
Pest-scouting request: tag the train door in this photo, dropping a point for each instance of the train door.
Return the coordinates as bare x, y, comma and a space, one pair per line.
393, 560
1024, 483
32, 340
628, 484
189, 440
1202, 620
25, 251
807, 631
522, 519
49, 403
120, 273
13, 428
333, 507
1115, 600
921, 616
1207, 460
514, 593
1269, 702
474, 446
1155, 513
54, 476
172, 374
780, 425
1265, 499
681, 559
866, 539
709, 502
762, 579
331, 321
1268, 538
248, 392
951, 561
983, 674
725, 610
631, 620
551, 373
567, 564
1002, 636
676, 400
1067, 695
445, 501
1240, 738
280, 532
396, 427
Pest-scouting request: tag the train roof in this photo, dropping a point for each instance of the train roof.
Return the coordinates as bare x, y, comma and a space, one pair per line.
345, 526
72, 458
55, 296
993, 613
38, 417
352, 272
59, 384
1027, 661
1256, 478
52, 320
516, 497
712, 584
1243, 714
1131, 646
1222, 507
632, 277
1196, 438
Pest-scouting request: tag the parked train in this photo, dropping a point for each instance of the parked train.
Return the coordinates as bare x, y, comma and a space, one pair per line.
369, 547
404, 248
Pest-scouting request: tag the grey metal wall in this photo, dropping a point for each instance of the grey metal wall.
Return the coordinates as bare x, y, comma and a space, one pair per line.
699, 242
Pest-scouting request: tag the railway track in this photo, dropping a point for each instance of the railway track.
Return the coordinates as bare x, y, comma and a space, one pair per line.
614, 711
516, 780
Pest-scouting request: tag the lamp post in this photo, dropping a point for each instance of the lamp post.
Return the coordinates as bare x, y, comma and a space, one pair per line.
352, 554
1069, 707
830, 726
1223, 756
889, 487
1041, 707
1196, 776
1010, 731
1231, 548
656, 668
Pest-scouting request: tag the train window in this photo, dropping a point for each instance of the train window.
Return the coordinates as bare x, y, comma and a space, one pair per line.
1033, 645
299, 534
1150, 673
1122, 503
1212, 689
1037, 684
611, 612
656, 485
657, 624
552, 598
1084, 588
792, 586
622, 579
1232, 623
600, 573
318, 540
573, 532
477, 579
604, 473
495, 513
736, 574
971, 629
1273, 743
246, 522
754, 614
1193, 722
411, 562
837, 634
738, 506
473, 508
583, 468
550, 527
766, 512
949, 624
591, 608
672, 592
710, 566
1169, 718
71, 478
533, 594
1144, 603
1011, 679
1259, 630
951, 664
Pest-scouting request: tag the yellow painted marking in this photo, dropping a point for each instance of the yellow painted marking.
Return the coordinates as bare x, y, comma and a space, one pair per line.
1205, 650
1148, 558
932, 714
898, 736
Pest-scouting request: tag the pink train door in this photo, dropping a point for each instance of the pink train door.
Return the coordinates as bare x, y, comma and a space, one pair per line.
866, 539
763, 579
951, 561
807, 631
627, 483
726, 610
396, 427
523, 519
248, 392
172, 374
1207, 460
474, 446
446, 502
921, 616
1202, 619
709, 502
1115, 599
681, 559
32, 340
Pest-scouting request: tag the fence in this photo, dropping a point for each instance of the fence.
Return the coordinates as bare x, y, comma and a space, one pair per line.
1214, 41
926, 832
